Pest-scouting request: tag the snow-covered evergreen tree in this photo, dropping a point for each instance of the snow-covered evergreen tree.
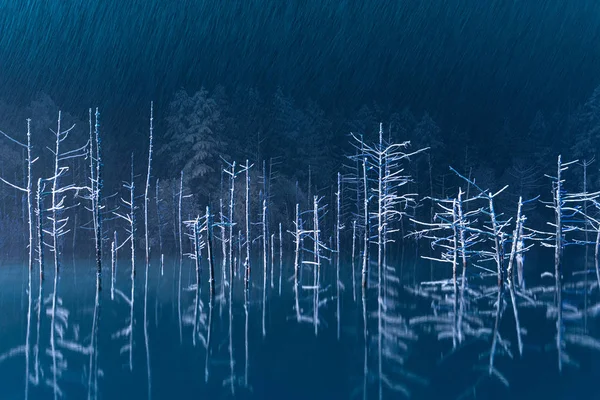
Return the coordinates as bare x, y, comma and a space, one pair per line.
427, 134
194, 136
587, 134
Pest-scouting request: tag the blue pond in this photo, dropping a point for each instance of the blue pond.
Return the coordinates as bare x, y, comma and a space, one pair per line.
256, 344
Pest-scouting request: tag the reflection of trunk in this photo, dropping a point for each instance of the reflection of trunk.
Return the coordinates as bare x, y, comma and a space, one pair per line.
510, 273
280, 257
159, 274
265, 237
302, 248
208, 340
358, 183
93, 362
380, 227
586, 256
36, 351
113, 266
596, 255
264, 241
52, 330
499, 257
146, 340
246, 340
74, 246
338, 227
160, 239
230, 347
353, 260
131, 321
379, 335
27, 334
366, 343
401, 244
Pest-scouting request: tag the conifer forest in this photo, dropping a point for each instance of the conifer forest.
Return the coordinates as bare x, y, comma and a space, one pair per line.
320, 199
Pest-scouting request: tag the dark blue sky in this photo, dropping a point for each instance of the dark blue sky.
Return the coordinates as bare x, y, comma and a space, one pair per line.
469, 62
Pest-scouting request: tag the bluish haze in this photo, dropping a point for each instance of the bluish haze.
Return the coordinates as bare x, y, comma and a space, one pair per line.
469, 63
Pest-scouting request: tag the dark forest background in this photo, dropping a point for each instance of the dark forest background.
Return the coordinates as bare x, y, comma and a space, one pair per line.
199, 130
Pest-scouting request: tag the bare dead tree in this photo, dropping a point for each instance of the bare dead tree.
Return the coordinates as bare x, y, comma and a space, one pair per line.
27, 189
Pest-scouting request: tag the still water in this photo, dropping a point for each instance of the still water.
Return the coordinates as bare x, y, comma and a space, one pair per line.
255, 346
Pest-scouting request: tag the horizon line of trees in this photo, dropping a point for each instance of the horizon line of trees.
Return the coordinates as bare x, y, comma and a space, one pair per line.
305, 148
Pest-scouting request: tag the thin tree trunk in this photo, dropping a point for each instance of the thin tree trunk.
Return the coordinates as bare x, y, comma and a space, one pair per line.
499, 257
297, 258
29, 197
510, 274
353, 260
280, 257
40, 228
455, 317
365, 264
317, 263
98, 199
338, 227
209, 249
231, 206
179, 222
248, 242
558, 261
147, 189
264, 241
